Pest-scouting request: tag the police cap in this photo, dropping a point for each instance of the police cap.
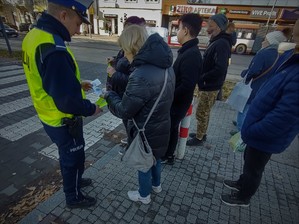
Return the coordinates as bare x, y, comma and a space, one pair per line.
79, 6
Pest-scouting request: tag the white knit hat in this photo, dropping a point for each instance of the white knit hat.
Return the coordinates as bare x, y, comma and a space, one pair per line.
275, 37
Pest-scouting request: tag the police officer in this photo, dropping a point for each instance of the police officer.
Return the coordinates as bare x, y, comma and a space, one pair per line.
53, 78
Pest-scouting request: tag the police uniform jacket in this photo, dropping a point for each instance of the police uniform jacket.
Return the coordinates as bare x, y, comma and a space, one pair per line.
57, 70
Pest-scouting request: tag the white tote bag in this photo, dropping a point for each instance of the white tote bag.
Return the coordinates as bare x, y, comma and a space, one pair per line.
240, 95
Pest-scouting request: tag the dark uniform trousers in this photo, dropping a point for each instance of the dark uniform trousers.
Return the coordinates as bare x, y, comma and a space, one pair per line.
71, 159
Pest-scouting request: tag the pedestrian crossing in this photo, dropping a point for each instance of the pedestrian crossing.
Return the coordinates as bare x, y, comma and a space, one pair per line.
12, 75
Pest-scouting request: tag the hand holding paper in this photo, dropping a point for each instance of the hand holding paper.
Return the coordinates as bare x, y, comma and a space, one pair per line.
101, 102
96, 87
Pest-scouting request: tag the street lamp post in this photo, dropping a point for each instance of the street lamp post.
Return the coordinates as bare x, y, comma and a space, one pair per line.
269, 17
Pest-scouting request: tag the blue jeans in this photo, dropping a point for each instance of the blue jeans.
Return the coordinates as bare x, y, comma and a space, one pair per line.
149, 179
241, 117
71, 159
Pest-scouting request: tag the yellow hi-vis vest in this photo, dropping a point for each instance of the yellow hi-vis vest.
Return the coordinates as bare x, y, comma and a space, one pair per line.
42, 102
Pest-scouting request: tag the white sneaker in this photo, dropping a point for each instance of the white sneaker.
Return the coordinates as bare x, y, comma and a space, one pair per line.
135, 196
157, 189
124, 141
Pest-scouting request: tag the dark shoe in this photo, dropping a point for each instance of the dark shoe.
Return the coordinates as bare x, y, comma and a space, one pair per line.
233, 185
196, 142
232, 133
85, 202
193, 135
234, 200
234, 123
168, 160
85, 182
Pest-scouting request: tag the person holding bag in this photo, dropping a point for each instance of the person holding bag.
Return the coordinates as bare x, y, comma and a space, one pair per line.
270, 126
146, 102
260, 69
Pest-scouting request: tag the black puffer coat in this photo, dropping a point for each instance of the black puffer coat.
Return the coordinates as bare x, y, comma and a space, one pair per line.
144, 86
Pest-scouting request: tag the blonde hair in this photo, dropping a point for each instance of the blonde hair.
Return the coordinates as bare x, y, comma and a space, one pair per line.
132, 39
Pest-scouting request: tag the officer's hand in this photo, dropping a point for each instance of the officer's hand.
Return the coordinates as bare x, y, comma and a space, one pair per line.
97, 111
86, 85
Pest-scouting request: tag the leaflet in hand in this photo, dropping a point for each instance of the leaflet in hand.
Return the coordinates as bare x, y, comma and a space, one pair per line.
96, 87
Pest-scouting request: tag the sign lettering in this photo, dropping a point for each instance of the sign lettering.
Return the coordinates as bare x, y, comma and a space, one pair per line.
208, 10
264, 13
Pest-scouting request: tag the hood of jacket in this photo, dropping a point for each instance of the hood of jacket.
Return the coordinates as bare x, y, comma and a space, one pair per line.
155, 51
223, 35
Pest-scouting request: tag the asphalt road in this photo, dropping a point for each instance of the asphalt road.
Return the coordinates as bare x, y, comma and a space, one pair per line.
96, 51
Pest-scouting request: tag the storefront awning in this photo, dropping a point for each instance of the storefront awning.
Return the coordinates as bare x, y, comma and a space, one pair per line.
290, 14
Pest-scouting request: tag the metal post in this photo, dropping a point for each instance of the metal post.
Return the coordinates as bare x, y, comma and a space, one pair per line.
5, 36
183, 135
271, 13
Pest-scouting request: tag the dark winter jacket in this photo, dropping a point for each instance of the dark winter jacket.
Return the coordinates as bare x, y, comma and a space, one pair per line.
261, 62
144, 86
118, 82
187, 68
272, 121
215, 63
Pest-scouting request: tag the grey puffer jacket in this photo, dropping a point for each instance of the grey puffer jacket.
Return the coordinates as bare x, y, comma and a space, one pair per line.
144, 86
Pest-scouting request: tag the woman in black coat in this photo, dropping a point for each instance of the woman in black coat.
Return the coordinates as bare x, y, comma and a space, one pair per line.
150, 57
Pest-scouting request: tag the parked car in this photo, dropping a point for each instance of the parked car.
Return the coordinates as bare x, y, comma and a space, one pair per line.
10, 32
24, 27
243, 46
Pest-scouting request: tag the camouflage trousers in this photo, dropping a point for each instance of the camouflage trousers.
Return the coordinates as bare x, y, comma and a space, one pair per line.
206, 100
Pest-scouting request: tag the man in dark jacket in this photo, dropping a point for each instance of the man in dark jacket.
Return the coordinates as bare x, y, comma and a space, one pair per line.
215, 63
187, 68
270, 126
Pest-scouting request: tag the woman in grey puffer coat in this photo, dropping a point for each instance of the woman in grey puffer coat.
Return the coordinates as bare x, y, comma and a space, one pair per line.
150, 57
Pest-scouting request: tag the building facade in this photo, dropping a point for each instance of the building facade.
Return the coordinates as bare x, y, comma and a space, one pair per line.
160, 13
113, 13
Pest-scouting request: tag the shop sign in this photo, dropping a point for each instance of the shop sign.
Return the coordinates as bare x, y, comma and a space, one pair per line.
240, 12
198, 9
264, 13
110, 15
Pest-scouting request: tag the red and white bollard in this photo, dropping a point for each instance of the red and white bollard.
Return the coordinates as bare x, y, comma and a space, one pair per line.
183, 134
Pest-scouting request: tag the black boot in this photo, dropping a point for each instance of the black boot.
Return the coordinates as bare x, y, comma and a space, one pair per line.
84, 202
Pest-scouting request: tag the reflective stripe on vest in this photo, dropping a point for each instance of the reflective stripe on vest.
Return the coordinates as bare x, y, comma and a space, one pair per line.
42, 102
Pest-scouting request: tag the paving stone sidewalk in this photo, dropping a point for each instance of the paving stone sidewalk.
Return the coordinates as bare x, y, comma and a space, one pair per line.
191, 188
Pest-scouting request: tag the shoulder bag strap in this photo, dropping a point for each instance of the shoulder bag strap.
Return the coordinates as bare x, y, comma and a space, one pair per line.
155, 105
265, 72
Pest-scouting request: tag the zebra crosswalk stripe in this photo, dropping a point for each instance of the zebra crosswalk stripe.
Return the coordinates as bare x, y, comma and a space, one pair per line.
13, 90
12, 72
12, 79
